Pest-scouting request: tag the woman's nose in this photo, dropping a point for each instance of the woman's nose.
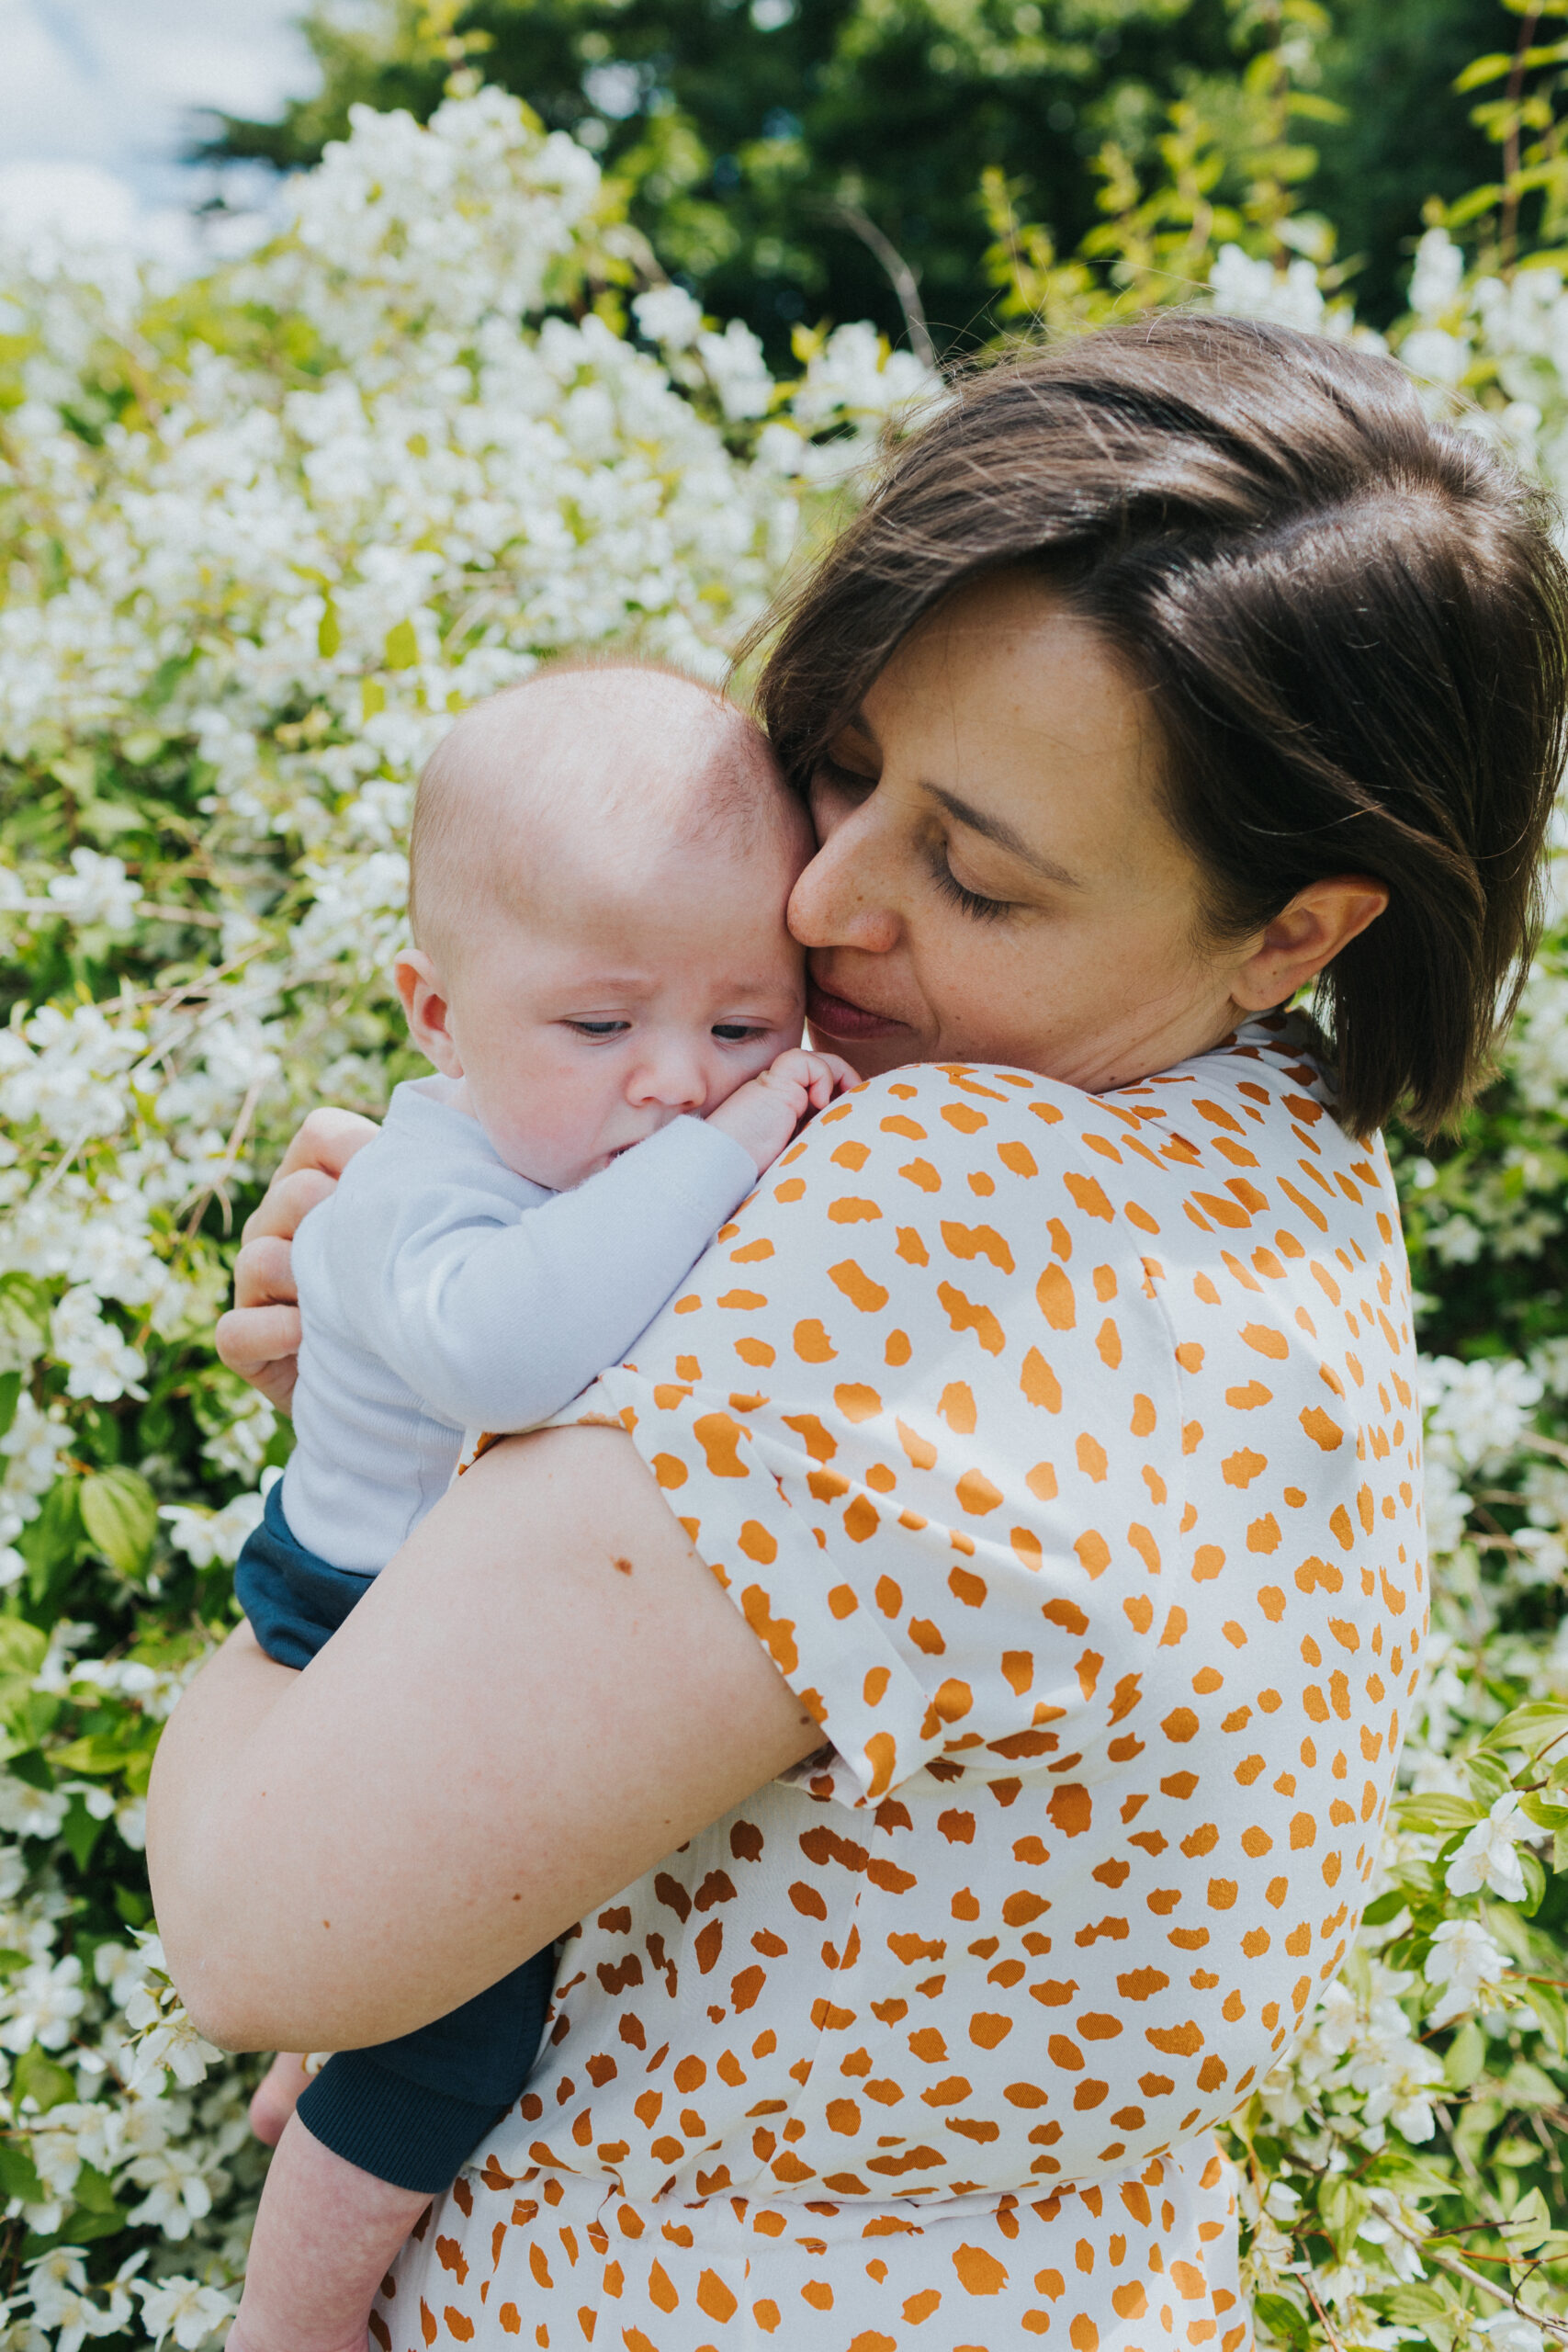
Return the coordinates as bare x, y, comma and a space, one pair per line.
842, 899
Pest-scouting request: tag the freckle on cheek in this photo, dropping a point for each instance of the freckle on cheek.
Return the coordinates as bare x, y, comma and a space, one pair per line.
623, 1565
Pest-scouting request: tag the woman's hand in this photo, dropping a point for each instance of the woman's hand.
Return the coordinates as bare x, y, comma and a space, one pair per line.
555, 1693
259, 1337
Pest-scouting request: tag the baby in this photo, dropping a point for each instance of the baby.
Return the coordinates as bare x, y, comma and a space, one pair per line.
603, 980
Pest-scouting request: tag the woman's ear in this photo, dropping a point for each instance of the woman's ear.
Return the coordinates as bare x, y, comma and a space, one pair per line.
1304, 936
429, 1010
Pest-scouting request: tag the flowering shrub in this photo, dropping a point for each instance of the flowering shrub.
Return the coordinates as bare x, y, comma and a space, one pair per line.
261, 535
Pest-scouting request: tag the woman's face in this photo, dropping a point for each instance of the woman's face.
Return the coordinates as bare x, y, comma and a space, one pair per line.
997, 881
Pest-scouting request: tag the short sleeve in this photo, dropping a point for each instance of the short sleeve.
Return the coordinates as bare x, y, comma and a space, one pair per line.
892, 1411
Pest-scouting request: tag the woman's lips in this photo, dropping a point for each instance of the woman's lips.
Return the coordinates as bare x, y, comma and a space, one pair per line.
835, 1016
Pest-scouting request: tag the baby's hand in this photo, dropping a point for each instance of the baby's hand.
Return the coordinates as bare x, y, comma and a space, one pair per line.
762, 1114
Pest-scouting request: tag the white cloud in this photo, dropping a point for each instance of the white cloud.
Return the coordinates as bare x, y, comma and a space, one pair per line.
98, 99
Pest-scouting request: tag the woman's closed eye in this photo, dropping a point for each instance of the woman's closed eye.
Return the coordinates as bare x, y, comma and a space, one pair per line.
971, 902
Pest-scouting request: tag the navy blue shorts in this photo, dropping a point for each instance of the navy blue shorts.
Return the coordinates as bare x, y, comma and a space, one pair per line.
411, 2111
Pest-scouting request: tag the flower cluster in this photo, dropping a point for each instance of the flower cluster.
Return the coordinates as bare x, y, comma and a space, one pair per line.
261, 535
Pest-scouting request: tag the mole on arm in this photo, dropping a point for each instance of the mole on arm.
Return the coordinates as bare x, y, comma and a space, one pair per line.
623, 1565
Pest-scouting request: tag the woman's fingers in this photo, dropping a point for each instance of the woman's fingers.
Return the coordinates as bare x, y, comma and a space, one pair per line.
259, 1338
283, 1205
327, 1140
263, 1273
262, 1344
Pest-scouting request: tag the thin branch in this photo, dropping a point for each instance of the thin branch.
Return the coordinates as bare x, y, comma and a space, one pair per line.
1457, 2270
1510, 220
905, 285
1323, 2315
217, 1181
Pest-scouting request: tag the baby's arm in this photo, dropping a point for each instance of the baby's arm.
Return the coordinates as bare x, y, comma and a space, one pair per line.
325, 2237
497, 1325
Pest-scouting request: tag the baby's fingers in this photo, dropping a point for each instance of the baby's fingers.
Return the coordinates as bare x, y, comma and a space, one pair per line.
828, 1077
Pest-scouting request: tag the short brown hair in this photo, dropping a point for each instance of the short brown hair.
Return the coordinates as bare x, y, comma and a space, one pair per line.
1351, 619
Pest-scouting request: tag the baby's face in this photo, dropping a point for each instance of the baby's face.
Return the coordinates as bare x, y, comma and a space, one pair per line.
620, 1002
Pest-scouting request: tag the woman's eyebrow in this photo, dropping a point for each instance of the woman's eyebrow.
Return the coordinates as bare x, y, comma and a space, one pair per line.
1006, 836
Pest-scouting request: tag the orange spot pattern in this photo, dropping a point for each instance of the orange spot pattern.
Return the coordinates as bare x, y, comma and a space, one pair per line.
1091, 1536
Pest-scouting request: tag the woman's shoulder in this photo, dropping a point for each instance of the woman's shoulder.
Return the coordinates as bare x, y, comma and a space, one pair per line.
1194, 1142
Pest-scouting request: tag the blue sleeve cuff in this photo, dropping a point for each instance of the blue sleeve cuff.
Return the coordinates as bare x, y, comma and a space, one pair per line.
412, 2110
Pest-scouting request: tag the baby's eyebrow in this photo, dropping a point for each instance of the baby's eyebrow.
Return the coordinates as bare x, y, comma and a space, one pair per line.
1006, 836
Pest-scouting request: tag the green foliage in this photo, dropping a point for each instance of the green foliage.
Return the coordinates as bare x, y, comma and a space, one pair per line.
755, 141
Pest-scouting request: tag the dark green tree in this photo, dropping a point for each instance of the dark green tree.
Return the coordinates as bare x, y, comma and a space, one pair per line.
775, 149
793, 160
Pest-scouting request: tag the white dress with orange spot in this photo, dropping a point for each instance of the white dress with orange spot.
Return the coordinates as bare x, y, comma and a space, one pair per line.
1065, 1454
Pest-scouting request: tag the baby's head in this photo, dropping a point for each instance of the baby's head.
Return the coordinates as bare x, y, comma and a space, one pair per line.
601, 862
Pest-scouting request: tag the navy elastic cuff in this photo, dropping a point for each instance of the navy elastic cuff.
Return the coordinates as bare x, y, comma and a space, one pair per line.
401, 2131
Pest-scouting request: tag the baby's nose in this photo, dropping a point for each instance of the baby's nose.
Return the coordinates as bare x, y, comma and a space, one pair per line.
672, 1075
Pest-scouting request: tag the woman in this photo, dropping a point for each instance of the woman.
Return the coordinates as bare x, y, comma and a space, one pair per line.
948, 1689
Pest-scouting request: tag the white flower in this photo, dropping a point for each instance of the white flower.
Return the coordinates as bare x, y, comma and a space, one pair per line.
733, 360
205, 1535
1465, 1961
103, 1365
98, 890
1476, 1413
41, 2004
1487, 1857
668, 315
177, 2194
184, 2308
1437, 276
1509, 2332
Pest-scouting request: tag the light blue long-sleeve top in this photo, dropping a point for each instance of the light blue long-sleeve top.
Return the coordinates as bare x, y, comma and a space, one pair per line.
439, 1292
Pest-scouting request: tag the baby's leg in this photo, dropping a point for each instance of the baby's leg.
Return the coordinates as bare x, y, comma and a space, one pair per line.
276, 2096
325, 2237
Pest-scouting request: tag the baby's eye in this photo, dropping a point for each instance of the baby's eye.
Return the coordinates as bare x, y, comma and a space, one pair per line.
738, 1033
598, 1028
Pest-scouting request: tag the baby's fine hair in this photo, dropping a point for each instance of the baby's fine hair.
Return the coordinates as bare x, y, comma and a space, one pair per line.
582, 744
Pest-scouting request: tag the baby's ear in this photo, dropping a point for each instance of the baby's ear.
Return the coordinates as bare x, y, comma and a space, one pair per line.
425, 1002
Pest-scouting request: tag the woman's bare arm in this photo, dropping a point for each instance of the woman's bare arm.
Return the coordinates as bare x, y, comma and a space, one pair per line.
544, 1694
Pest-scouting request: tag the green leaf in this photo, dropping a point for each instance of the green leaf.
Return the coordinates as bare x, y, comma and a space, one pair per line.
1342, 2208
24, 1309
329, 632
93, 2194
1489, 1777
1531, 1728
403, 647
1438, 1814
38, 2078
1282, 2319
50, 1545
120, 1512
17, 2177
10, 1397
80, 1832
23, 1648
1527, 2085
1466, 2057
133, 1906
1482, 70
1387, 1907
31, 1768
1529, 2225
